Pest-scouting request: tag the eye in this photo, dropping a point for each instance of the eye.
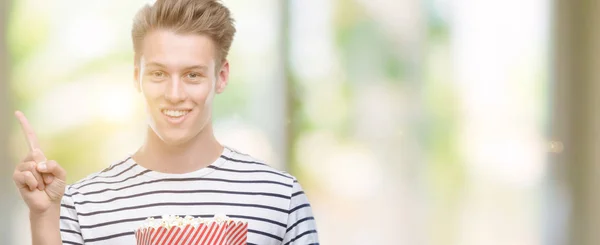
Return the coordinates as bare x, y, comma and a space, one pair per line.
158, 74
193, 75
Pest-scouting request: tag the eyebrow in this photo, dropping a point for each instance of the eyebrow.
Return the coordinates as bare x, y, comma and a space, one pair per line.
200, 67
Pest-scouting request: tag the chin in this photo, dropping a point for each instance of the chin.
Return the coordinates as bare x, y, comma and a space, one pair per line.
174, 139
172, 136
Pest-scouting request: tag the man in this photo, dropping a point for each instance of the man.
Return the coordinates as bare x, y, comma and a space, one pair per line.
181, 169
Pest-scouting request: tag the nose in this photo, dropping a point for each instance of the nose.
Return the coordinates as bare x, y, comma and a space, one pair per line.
175, 92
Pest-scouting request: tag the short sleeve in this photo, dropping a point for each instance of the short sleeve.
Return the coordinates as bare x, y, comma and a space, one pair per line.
301, 225
69, 222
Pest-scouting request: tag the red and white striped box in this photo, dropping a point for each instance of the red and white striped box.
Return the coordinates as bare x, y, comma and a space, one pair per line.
173, 230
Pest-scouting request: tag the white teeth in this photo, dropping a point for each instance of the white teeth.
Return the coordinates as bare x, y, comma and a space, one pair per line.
173, 113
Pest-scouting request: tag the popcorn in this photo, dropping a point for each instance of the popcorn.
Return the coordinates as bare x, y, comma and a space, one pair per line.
220, 230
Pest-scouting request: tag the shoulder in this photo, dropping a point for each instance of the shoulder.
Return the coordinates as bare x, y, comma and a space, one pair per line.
121, 167
251, 167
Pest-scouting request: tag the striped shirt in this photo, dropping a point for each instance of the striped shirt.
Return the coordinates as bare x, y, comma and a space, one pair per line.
106, 207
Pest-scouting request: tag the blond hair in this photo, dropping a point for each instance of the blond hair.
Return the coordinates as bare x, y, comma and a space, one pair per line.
202, 17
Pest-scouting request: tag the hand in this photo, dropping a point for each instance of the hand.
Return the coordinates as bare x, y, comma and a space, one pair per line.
40, 182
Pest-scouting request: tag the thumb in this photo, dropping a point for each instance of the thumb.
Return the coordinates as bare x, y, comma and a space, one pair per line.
52, 167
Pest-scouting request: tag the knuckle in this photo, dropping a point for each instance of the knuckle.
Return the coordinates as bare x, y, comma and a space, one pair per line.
27, 157
16, 176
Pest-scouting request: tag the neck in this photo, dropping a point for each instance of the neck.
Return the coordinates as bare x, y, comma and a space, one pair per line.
199, 152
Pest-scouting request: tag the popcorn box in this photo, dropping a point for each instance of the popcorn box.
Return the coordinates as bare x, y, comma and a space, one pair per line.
174, 230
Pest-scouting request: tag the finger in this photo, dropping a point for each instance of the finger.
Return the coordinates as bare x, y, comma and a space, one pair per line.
28, 157
29, 180
53, 168
48, 178
40, 159
38, 177
28, 131
38, 156
19, 179
31, 167
26, 166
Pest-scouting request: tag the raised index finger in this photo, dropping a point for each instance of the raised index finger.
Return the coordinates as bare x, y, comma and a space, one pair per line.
28, 131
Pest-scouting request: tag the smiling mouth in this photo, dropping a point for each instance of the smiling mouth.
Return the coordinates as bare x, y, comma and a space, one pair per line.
175, 113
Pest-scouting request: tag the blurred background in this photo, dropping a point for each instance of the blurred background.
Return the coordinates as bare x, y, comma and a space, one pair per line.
434, 122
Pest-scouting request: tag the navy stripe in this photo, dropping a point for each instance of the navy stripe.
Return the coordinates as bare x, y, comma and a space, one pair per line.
297, 193
84, 180
301, 235
116, 165
68, 190
73, 243
131, 233
185, 192
67, 206
117, 175
249, 171
257, 218
265, 234
70, 231
159, 216
114, 222
103, 171
67, 218
184, 204
114, 182
122, 172
242, 161
299, 207
298, 222
187, 179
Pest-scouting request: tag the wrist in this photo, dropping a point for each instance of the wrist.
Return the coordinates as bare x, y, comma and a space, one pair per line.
45, 226
53, 212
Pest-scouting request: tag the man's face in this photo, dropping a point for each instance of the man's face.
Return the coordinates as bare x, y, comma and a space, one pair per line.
178, 77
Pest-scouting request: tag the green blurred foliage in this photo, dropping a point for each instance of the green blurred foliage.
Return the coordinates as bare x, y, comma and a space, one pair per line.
76, 149
25, 39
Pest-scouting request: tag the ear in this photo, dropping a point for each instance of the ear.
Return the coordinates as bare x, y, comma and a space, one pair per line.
136, 78
222, 77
